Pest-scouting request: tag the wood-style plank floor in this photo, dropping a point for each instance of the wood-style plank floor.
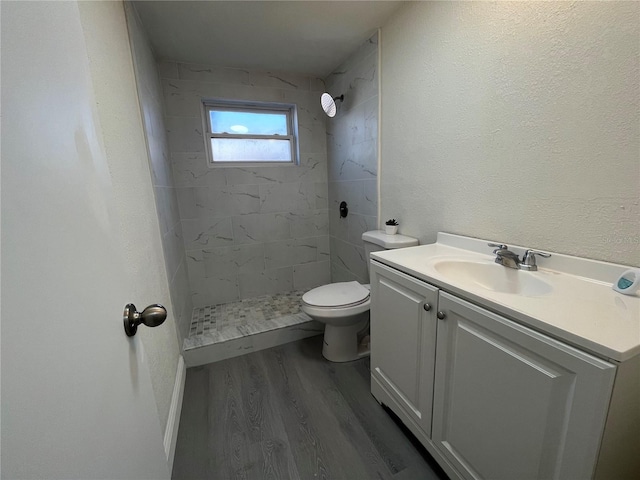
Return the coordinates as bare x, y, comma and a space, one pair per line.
287, 413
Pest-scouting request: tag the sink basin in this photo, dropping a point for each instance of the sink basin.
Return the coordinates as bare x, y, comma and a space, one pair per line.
494, 277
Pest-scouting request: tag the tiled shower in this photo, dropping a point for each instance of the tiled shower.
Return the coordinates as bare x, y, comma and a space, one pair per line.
242, 244
248, 231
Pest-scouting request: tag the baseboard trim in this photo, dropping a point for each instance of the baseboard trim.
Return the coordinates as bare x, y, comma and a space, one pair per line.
173, 422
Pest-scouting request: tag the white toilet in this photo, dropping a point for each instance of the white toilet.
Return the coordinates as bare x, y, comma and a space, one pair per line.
344, 307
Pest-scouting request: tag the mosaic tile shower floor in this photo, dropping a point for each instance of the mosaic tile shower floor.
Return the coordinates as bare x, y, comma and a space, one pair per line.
220, 323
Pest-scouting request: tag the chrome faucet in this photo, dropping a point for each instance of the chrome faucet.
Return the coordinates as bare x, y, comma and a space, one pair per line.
504, 256
529, 260
509, 259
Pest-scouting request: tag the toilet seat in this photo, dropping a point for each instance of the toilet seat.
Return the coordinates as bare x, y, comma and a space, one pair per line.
337, 295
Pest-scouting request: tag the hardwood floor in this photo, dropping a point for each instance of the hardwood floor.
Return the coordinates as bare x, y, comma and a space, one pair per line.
287, 413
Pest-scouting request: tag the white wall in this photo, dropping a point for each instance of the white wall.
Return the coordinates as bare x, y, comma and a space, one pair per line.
109, 54
515, 121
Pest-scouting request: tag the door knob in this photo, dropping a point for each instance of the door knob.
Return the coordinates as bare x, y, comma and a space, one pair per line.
441, 315
427, 307
152, 316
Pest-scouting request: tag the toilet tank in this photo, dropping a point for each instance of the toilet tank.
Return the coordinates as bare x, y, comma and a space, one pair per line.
377, 240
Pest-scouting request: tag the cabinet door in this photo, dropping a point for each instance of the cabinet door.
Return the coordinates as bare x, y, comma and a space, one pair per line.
512, 403
403, 339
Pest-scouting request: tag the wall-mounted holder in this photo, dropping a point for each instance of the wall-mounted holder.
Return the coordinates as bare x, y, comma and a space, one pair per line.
152, 316
344, 210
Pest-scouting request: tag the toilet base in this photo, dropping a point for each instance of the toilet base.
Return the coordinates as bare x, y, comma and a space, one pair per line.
340, 344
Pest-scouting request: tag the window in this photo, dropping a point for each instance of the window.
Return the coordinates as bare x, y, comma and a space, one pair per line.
243, 132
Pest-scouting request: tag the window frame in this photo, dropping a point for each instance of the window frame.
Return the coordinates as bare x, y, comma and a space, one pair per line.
290, 109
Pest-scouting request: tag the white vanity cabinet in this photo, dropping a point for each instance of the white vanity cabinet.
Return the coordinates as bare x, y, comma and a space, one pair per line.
488, 397
403, 341
512, 403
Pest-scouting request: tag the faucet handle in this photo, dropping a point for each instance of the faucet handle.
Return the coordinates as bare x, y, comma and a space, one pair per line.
499, 246
529, 259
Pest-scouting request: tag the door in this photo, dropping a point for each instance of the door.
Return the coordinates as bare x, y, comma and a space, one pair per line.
77, 399
403, 339
512, 403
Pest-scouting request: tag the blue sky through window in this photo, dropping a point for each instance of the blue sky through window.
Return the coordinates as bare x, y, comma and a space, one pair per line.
255, 123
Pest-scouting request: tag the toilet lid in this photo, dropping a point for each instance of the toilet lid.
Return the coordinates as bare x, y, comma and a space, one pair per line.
336, 295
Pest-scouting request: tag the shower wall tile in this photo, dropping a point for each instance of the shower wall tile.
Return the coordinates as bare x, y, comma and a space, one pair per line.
366, 50
195, 266
235, 259
308, 224
341, 274
209, 74
339, 226
207, 232
270, 281
246, 227
215, 290
370, 110
167, 205
350, 257
173, 248
322, 195
185, 134
208, 202
369, 205
313, 138
255, 175
181, 299
178, 93
284, 253
324, 249
191, 170
362, 80
182, 98
358, 224
282, 81
287, 197
309, 108
258, 228
352, 161
311, 275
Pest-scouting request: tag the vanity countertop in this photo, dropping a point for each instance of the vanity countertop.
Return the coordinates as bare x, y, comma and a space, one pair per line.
581, 308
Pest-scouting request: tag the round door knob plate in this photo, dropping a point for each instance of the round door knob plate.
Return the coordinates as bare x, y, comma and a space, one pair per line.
427, 307
441, 315
152, 316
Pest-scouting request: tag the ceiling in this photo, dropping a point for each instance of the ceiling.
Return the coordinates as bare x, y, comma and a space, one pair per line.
311, 37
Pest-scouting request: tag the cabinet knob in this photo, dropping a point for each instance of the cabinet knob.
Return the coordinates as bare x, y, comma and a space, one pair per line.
427, 307
441, 315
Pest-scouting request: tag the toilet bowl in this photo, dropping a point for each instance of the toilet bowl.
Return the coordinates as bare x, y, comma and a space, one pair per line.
344, 309
344, 306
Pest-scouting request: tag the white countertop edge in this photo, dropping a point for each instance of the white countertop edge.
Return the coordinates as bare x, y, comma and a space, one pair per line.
564, 263
582, 267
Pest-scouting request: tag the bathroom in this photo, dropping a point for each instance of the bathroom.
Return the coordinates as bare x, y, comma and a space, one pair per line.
516, 122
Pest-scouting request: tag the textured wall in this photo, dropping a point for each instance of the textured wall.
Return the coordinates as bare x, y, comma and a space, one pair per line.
150, 97
114, 83
248, 231
352, 152
515, 121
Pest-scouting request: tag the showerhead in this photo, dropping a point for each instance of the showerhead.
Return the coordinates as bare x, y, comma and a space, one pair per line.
329, 104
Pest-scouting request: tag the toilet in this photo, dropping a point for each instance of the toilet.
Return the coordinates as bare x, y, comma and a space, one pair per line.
344, 306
